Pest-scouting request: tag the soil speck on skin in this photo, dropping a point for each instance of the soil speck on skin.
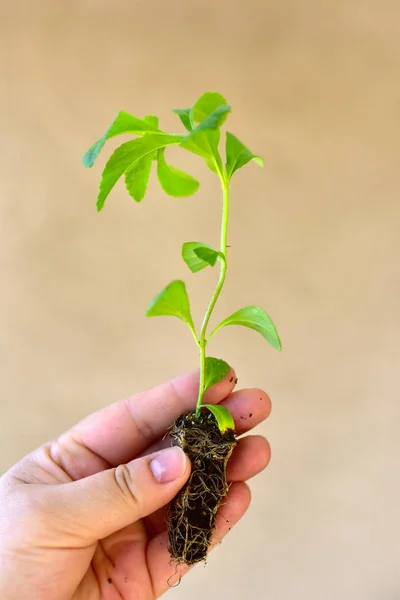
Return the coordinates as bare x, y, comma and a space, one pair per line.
243, 418
231, 379
109, 580
236, 380
126, 580
251, 414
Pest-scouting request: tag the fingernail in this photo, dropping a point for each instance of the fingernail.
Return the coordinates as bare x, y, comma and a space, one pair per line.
169, 465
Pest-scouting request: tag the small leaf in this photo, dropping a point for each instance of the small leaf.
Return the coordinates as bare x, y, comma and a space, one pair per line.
173, 181
255, 318
204, 138
126, 155
185, 116
205, 144
151, 120
191, 258
205, 105
207, 254
222, 416
216, 370
173, 301
137, 177
237, 155
123, 123
213, 121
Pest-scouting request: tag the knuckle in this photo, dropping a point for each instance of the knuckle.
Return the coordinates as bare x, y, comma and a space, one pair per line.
125, 484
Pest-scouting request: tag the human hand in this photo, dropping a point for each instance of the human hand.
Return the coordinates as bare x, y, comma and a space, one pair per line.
83, 516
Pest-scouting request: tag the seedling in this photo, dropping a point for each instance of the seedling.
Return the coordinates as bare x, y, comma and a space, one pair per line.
206, 435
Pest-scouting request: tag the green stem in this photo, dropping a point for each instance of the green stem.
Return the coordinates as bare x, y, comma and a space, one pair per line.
217, 291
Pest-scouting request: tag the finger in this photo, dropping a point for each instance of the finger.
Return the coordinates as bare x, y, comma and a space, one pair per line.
248, 408
165, 574
95, 507
119, 432
250, 457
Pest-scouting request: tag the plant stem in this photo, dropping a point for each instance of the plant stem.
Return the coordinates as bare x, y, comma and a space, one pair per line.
217, 291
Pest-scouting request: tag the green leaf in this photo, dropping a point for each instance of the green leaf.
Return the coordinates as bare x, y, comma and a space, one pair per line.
137, 177
237, 155
192, 259
173, 181
151, 120
255, 318
205, 144
204, 138
205, 105
207, 254
172, 301
213, 121
222, 416
216, 370
185, 116
123, 123
126, 155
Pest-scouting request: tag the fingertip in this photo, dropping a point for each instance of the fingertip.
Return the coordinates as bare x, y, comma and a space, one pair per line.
222, 389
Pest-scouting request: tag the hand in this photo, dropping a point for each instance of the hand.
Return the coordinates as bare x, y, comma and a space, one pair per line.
83, 516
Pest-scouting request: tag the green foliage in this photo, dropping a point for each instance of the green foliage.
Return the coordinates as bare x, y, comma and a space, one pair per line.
185, 115
208, 255
173, 181
255, 318
222, 416
237, 155
123, 123
137, 177
204, 138
215, 370
126, 156
172, 301
190, 254
205, 105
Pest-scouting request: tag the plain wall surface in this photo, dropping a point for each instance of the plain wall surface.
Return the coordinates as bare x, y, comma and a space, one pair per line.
315, 89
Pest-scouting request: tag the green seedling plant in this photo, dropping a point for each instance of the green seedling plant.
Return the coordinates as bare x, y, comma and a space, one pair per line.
134, 160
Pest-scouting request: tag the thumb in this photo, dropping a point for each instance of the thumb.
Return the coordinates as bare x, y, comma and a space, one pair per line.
97, 506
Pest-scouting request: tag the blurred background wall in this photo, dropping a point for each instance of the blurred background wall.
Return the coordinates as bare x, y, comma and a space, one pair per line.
315, 89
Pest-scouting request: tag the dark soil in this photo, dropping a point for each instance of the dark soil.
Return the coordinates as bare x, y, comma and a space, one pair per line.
192, 514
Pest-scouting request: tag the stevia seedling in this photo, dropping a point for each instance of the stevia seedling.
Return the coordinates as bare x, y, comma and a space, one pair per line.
206, 435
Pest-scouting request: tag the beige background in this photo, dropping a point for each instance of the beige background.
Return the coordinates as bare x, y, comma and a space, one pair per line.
315, 88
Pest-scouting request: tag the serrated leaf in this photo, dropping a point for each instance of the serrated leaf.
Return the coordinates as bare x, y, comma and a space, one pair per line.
237, 155
222, 416
123, 123
185, 116
205, 105
191, 258
172, 301
207, 254
126, 155
137, 177
255, 318
215, 370
174, 181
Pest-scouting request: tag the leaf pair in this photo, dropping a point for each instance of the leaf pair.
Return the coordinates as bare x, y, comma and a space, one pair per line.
173, 300
197, 255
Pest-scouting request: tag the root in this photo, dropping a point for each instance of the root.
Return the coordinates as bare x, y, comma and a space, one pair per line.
191, 515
